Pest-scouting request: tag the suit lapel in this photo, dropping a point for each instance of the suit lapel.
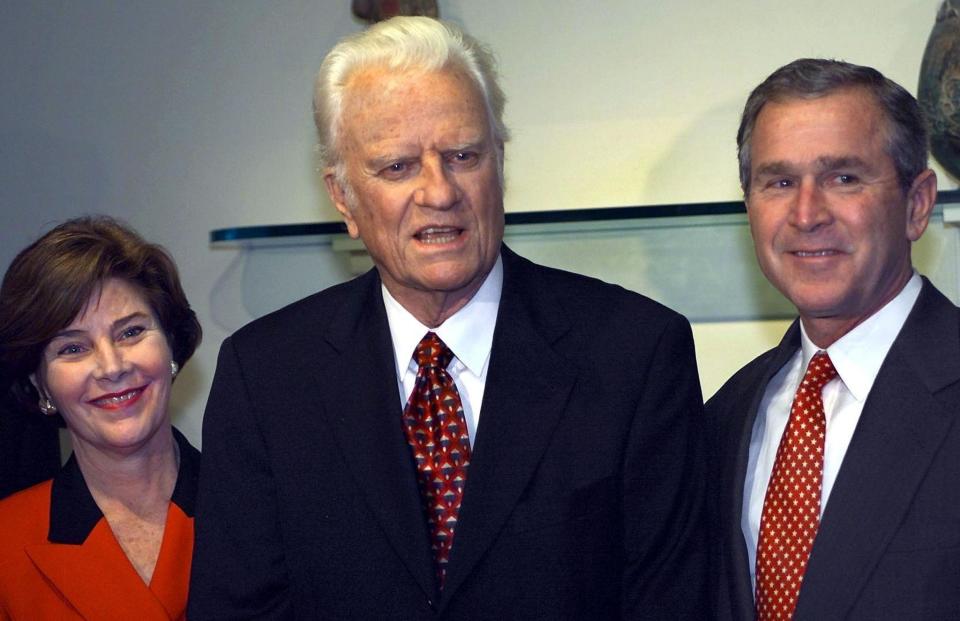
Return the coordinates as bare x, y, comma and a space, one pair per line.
527, 388
738, 435
900, 430
96, 578
365, 417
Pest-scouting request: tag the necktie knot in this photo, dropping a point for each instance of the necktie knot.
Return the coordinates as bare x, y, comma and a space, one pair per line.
819, 372
432, 352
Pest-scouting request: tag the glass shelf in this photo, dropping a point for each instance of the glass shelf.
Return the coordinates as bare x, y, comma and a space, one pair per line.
697, 258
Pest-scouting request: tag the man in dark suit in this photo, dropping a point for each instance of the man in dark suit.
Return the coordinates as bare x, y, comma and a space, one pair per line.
836, 455
351, 470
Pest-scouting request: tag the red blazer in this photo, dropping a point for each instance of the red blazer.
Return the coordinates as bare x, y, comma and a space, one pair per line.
60, 560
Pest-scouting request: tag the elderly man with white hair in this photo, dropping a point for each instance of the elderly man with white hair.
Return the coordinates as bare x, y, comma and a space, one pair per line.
459, 433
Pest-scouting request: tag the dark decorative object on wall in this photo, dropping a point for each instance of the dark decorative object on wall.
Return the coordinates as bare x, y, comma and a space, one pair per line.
377, 10
939, 89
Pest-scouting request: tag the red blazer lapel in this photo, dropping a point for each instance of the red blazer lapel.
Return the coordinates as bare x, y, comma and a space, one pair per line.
171, 576
96, 578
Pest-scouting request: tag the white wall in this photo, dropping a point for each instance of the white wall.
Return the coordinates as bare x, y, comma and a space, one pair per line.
186, 116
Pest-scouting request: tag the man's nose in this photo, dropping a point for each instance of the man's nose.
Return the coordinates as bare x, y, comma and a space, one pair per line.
810, 208
438, 189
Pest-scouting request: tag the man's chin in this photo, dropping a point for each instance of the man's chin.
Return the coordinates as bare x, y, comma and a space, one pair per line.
451, 283
451, 274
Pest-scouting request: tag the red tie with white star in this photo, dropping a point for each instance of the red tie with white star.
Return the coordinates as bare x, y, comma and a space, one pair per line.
437, 434
791, 508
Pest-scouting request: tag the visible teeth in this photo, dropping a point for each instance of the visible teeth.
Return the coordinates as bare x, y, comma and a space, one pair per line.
440, 239
435, 235
120, 398
816, 253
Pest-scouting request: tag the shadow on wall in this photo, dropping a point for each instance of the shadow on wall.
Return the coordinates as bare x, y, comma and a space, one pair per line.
263, 278
734, 270
683, 164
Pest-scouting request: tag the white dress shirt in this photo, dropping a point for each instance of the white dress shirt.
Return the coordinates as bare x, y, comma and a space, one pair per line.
857, 356
469, 335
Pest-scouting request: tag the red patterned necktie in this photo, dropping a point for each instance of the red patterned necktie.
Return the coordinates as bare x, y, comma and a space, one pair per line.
437, 434
791, 508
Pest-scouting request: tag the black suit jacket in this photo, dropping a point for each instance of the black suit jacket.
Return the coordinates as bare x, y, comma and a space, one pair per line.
888, 546
584, 490
29, 447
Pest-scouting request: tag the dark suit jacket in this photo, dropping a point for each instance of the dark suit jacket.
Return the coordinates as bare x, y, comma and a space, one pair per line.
582, 498
29, 447
888, 546
60, 560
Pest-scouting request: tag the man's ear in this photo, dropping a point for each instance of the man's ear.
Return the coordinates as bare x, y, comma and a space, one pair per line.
338, 195
921, 198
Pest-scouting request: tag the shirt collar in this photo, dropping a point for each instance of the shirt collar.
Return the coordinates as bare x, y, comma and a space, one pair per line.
468, 332
858, 354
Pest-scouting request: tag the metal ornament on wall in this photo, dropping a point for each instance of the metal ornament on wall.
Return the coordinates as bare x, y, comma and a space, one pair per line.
378, 10
939, 88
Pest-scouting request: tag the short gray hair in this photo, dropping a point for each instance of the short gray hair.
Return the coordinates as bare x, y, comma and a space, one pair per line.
810, 78
402, 43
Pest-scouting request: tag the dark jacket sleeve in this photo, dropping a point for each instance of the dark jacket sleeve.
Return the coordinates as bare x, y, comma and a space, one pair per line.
664, 541
238, 568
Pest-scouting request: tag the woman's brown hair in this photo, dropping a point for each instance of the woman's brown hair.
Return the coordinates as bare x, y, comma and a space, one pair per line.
50, 282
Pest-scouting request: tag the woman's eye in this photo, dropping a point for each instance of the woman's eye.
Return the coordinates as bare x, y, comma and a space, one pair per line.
69, 350
131, 332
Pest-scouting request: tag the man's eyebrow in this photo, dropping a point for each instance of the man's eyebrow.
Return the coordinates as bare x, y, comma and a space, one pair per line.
823, 164
779, 167
844, 161
470, 144
378, 162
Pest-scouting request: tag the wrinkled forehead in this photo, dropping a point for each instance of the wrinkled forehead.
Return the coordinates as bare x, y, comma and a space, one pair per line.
384, 90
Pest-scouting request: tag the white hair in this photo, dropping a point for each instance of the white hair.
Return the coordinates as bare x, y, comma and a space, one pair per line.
401, 44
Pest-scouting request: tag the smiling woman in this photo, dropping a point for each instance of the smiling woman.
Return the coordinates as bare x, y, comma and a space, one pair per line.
109, 372
94, 327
